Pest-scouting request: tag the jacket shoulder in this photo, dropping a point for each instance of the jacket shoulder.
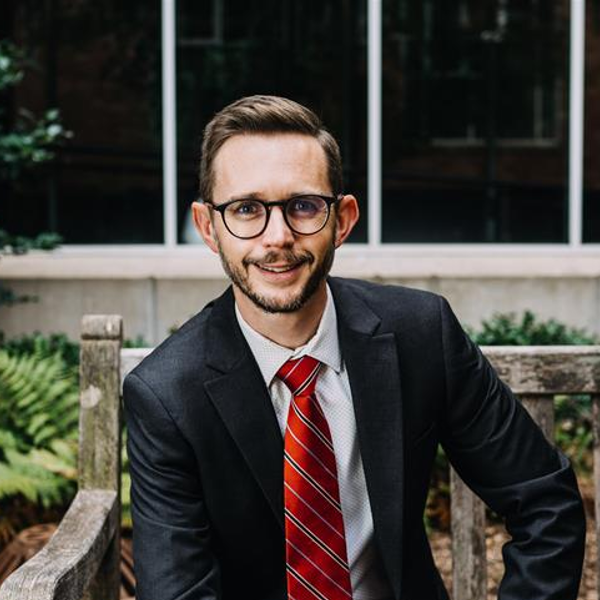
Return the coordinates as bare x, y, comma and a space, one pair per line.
168, 358
391, 300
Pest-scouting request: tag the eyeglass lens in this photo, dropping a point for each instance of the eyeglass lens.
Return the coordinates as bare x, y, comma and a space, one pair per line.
304, 214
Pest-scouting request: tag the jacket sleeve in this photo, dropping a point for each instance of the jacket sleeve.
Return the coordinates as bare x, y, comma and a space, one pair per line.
171, 537
503, 456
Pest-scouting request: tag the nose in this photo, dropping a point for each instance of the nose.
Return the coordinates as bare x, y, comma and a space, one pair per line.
277, 232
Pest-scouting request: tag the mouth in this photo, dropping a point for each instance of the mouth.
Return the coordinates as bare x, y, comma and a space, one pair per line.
279, 268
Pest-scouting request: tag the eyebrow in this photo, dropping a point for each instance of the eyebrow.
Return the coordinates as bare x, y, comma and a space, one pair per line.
258, 196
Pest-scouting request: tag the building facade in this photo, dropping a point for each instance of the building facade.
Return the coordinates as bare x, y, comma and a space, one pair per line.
470, 133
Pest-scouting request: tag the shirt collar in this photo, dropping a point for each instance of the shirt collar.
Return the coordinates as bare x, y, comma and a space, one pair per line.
324, 345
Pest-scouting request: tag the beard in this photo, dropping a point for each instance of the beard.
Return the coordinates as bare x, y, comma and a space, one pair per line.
239, 277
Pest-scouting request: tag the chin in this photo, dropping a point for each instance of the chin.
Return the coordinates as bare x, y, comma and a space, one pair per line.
278, 303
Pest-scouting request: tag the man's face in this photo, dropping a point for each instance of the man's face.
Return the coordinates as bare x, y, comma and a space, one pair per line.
278, 271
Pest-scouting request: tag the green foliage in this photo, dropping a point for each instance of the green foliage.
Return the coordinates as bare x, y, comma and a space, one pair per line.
510, 330
38, 427
18, 244
41, 345
573, 432
39, 420
8, 298
10, 244
574, 429
31, 140
11, 65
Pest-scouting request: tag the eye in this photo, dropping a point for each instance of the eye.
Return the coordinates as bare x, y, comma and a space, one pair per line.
306, 206
245, 209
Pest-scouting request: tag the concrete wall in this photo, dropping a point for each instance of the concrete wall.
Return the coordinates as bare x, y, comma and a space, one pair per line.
155, 293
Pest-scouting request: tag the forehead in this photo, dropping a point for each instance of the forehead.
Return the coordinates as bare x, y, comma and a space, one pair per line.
270, 165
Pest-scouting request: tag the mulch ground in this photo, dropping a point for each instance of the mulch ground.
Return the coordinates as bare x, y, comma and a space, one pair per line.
496, 537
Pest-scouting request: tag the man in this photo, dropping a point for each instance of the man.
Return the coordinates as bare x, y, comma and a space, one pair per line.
281, 442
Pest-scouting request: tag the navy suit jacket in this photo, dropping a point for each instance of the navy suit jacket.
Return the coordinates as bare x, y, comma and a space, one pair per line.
206, 454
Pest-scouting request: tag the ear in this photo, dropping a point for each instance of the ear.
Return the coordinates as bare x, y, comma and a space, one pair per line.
204, 225
346, 214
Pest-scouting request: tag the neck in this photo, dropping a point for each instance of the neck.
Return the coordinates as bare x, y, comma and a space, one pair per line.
290, 330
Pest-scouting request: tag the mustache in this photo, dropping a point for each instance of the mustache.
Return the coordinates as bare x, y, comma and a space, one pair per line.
287, 257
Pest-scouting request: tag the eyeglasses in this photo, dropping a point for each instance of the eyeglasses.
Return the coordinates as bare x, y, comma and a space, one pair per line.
248, 218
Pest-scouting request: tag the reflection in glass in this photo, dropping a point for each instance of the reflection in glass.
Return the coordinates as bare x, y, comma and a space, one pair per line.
313, 52
474, 126
99, 63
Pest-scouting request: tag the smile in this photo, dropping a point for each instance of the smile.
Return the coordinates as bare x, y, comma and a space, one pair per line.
276, 269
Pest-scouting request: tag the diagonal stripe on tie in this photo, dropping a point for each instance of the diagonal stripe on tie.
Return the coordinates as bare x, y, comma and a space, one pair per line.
316, 555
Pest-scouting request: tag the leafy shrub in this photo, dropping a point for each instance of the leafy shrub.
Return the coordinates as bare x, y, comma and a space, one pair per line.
41, 345
510, 330
31, 140
573, 414
573, 432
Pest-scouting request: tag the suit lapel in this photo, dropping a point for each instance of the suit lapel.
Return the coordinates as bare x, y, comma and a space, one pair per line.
372, 364
240, 396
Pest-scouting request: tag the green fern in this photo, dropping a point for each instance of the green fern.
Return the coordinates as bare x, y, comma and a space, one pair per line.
38, 427
39, 415
29, 475
38, 399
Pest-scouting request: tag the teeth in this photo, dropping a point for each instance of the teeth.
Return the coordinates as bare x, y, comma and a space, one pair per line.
278, 269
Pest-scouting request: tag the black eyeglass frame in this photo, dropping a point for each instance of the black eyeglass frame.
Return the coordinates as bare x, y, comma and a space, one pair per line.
329, 201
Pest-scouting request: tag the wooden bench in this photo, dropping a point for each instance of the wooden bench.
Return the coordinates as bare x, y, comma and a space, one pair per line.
82, 558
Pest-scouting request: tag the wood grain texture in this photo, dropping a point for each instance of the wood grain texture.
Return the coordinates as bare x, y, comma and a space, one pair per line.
547, 369
102, 327
469, 575
66, 566
100, 424
541, 409
596, 433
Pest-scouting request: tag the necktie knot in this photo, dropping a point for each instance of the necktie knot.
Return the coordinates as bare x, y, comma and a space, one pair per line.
300, 375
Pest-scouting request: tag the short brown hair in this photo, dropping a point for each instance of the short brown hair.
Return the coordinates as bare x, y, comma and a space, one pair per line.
265, 114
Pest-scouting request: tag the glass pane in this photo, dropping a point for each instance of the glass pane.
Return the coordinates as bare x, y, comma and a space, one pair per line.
313, 52
591, 163
99, 63
474, 121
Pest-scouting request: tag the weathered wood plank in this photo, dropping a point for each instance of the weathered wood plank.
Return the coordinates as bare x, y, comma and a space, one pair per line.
469, 573
547, 369
102, 327
65, 567
596, 432
100, 424
541, 409
526, 369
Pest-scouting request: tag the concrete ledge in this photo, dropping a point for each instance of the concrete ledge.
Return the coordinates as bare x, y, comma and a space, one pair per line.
351, 261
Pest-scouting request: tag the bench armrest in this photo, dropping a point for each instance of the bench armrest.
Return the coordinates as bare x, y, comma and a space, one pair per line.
66, 566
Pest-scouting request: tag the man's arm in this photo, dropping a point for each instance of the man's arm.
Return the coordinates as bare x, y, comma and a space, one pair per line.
500, 453
171, 542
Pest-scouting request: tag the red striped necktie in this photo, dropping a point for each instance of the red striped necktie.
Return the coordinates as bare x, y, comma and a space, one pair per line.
316, 558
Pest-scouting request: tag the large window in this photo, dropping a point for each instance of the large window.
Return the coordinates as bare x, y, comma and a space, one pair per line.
459, 122
474, 121
312, 51
99, 63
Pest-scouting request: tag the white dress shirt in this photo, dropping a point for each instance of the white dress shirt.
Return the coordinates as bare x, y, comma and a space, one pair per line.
335, 397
